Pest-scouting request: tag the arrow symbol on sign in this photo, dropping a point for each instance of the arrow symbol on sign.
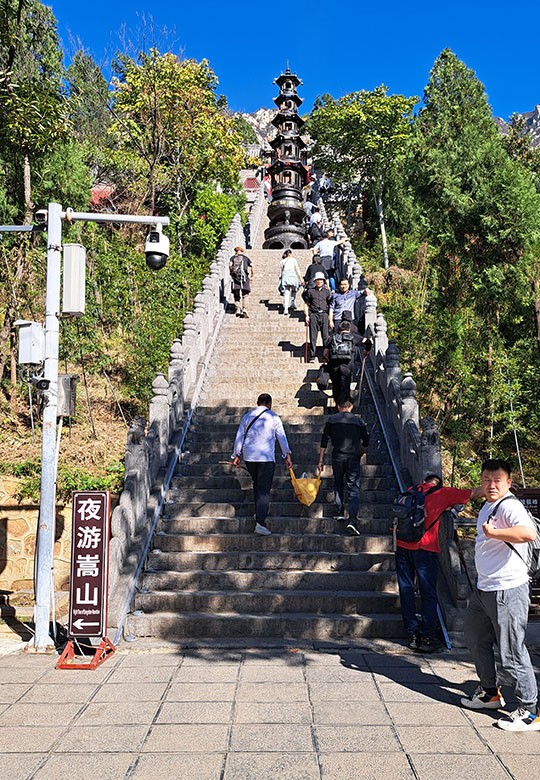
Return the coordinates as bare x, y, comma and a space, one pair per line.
80, 624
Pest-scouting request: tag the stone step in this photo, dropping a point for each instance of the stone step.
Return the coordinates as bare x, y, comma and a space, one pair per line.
283, 579
283, 495
218, 462
239, 479
275, 542
268, 602
277, 509
285, 626
319, 561
379, 526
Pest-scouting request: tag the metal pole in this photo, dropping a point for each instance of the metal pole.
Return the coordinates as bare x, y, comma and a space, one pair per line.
47, 501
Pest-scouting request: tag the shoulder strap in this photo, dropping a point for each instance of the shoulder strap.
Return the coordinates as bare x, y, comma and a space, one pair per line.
427, 493
251, 423
492, 514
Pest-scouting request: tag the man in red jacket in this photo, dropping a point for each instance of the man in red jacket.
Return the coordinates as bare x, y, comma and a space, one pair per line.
420, 560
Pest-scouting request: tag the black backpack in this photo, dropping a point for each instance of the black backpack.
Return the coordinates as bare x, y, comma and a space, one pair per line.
532, 554
341, 347
237, 268
409, 514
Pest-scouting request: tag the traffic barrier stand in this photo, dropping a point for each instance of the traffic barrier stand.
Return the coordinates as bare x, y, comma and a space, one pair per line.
103, 651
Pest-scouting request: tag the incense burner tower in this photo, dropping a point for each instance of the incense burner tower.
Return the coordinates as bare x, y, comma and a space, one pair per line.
288, 170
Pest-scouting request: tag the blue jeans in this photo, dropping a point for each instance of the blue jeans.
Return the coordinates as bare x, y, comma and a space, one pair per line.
346, 469
423, 564
500, 617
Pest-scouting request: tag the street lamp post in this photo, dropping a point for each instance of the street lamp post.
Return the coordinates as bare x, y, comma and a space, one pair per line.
46, 522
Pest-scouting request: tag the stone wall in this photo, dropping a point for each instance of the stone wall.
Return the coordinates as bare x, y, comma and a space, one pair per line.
18, 522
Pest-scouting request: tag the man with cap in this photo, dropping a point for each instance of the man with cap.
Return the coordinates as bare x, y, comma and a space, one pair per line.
316, 307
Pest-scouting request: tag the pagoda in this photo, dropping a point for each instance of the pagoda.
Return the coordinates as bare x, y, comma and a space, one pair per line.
288, 170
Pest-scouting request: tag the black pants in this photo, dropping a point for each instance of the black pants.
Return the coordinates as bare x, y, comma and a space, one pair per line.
346, 470
341, 376
262, 474
318, 321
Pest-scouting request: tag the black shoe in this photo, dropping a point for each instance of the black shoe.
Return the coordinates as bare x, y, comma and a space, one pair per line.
352, 529
430, 645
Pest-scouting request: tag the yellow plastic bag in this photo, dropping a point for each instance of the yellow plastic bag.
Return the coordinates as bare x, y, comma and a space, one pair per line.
306, 488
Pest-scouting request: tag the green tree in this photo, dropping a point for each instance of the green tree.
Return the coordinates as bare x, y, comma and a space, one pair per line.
33, 116
168, 127
358, 138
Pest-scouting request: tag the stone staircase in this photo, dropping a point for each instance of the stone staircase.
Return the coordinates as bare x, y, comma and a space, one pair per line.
208, 575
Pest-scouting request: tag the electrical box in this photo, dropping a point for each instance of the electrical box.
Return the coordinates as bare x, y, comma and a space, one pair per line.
31, 342
67, 395
74, 280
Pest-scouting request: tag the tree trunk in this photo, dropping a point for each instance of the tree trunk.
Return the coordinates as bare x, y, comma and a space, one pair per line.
536, 299
377, 195
27, 180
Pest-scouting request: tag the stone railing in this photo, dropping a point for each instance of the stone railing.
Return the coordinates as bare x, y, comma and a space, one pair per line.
255, 215
418, 439
153, 446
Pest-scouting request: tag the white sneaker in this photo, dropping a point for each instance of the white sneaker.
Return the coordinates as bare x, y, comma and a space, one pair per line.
520, 720
480, 700
262, 530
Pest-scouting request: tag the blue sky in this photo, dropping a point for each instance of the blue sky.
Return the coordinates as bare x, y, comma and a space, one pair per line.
336, 47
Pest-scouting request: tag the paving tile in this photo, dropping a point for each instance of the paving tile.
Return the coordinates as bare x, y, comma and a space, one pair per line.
106, 766
195, 712
141, 674
103, 739
25, 674
271, 766
201, 692
416, 692
217, 657
425, 714
120, 712
273, 659
19, 767
267, 738
416, 675
40, 714
371, 739
188, 738
272, 712
481, 718
277, 692
131, 692
207, 674
511, 742
364, 691
36, 661
28, 739
178, 766
461, 674
333, 674
10, 693
441, 739
366, 766
77, 676
148, 659
279, 674
350, 713
519, 765
450, 767
59, 693
376, 660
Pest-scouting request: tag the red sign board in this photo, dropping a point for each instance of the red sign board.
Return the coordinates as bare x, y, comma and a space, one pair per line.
89, 564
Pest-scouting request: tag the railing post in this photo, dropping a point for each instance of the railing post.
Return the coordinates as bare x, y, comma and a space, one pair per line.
159, 416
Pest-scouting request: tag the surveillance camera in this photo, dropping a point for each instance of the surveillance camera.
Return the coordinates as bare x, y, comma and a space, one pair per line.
156, 249
41, 216
40, 383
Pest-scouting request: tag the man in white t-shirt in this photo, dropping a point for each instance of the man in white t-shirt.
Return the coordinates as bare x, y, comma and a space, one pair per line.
499, 606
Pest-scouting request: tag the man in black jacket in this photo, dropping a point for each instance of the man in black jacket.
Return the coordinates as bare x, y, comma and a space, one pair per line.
348, 434
316, 307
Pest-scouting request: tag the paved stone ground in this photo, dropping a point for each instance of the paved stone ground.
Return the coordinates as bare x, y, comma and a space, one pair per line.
367, 712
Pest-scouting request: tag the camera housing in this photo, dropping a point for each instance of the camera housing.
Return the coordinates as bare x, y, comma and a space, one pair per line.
40, 383
41, 216
156, 249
